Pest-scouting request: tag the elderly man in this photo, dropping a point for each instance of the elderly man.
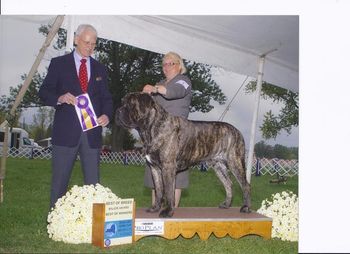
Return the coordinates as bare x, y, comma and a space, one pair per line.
69, 76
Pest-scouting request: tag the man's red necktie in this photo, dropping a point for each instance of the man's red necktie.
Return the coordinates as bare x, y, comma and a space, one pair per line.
83, 76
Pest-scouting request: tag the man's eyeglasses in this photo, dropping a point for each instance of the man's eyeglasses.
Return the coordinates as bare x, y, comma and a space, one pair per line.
168, 64
87, 43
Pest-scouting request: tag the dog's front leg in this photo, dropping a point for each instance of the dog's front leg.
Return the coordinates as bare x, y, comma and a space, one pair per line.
168, 175
158, 187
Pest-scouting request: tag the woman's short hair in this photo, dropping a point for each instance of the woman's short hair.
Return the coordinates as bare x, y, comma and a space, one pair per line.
177, 59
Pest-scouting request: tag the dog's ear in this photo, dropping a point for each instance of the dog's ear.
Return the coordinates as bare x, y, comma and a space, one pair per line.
146, 100
144, 103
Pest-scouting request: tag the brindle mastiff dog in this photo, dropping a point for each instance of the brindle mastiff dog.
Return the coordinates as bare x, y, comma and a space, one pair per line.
173, 144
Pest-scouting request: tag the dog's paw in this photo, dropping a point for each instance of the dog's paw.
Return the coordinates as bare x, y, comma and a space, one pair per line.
224, 205
245, 209
153, 209
166, 213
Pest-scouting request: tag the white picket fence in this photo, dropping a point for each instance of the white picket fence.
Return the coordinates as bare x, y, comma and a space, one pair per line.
260, 166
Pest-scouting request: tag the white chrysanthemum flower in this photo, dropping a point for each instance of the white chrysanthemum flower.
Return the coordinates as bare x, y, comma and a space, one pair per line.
71, 219
283, 209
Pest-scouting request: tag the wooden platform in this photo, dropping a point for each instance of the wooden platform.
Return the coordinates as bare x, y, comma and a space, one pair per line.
204, 221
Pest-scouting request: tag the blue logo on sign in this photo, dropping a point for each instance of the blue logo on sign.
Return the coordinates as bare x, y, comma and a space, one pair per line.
118, 229
111, 230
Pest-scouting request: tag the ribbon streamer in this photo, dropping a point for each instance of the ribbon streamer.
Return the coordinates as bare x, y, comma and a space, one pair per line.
86, 112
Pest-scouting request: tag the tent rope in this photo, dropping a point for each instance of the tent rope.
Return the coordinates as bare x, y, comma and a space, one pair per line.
222, 116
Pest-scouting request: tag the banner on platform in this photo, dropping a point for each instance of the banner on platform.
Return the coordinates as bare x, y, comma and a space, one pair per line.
149, 227
85, 112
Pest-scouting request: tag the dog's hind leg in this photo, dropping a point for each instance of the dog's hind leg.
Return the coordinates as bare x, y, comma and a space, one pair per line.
237, 167
222, 173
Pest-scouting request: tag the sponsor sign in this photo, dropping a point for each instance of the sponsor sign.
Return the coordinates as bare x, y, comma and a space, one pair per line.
113, 223
149, 227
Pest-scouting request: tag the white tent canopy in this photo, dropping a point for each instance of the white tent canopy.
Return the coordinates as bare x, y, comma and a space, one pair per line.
231, 42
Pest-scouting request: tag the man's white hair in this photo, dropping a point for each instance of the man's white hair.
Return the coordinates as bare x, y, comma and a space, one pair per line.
83, 27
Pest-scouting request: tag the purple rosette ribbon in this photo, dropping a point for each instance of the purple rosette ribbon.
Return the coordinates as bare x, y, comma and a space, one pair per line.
83, 105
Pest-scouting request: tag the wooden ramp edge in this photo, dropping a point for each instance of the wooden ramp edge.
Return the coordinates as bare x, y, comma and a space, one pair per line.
204, 221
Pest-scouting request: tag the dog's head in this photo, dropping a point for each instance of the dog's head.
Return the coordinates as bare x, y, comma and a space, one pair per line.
138, 110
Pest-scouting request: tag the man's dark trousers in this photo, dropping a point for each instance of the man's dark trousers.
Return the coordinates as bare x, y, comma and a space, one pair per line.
63, 159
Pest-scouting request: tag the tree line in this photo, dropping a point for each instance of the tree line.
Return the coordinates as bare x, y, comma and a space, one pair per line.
263, 150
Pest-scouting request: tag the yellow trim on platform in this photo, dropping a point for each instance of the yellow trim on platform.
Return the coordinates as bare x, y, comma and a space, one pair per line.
235, 229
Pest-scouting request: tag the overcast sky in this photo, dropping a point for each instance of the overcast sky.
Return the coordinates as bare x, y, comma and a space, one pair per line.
16, 61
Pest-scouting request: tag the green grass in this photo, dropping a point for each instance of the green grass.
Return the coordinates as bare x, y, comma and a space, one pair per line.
26, 202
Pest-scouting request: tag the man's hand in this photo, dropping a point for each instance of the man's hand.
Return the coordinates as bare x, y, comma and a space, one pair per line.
67, 98
103, 120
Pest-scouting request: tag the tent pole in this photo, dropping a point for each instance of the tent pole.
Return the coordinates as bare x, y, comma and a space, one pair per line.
70, 33
54, 29
255, 117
